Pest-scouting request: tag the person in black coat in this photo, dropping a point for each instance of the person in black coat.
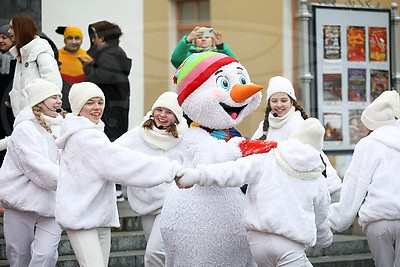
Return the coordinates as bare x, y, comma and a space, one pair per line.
109, 70
7, 69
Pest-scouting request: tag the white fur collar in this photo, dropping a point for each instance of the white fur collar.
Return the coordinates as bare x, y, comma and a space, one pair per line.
298, 159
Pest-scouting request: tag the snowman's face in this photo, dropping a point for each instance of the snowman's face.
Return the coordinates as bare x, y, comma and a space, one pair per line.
211, 104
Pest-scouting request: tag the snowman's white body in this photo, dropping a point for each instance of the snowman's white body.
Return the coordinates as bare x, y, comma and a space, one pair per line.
203, 226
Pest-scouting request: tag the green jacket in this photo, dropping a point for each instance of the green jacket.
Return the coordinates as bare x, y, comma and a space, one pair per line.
184, 49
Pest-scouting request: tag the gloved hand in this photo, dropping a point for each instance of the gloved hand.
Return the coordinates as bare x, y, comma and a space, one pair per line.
250, 147
186, 178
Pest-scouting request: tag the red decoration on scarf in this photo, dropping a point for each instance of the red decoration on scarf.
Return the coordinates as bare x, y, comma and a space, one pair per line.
250, 147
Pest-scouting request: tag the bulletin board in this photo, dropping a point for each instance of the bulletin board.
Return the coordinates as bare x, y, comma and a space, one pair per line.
352, 67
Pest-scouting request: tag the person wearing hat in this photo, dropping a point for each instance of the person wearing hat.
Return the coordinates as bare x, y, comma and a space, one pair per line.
110, 69
160, 134
197, 41
282, 115
71, 67
28, 179
7, 69
287, 199
371, 183
35, 59
85, 199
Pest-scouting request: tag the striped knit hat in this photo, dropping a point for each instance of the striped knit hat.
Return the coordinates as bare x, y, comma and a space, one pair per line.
196, 69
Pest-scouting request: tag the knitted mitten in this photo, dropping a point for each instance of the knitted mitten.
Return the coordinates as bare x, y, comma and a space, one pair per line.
250, 147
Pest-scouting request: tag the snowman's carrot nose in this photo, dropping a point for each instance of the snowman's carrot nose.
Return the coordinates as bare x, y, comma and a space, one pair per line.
240, 93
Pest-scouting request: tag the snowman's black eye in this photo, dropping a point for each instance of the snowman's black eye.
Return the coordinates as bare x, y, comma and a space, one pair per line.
223, 82
242, 80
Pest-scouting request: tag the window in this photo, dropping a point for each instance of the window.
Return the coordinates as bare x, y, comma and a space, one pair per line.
192, 13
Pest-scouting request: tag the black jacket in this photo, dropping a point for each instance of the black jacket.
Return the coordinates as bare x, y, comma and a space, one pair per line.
109, 70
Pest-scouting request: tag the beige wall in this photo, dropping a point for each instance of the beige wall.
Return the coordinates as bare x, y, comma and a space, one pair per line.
255, 35
156, 55
253, 30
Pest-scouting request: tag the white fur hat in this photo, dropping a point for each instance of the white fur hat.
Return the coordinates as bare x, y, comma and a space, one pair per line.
279, 84
378, 113
310, 132
393, 98
169, 100
39, 89
80, 93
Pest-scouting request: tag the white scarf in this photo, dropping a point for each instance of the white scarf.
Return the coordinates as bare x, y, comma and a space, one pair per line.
54, 123
278, 122
160, 139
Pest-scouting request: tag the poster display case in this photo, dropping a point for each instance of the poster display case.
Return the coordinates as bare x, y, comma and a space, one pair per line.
352, 67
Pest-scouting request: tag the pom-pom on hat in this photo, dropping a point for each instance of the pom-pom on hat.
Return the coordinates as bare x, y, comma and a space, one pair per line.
169, 100
39, 89
196, 69
377, 114
310, 132
279, 84
393, 98
80, 93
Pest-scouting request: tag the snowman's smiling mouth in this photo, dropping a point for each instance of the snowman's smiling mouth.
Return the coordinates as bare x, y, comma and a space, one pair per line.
232, 111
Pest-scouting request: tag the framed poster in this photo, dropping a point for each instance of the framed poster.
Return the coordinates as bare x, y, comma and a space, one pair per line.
351, 67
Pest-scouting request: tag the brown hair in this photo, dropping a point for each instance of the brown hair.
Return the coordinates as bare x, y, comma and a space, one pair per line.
24, 28
39, 117
171, 130
109, 31
268, 110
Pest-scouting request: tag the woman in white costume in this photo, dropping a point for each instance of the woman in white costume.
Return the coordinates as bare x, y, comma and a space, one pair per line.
28, 179
287, 200
159, 134
89, 168
371, 183
282, 115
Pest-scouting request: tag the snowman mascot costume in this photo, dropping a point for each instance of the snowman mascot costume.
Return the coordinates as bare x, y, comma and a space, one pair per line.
203, 226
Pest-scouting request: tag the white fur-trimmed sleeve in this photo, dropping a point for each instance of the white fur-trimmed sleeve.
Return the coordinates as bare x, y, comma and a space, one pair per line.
321, 208
354, 188
122, 165
233, 173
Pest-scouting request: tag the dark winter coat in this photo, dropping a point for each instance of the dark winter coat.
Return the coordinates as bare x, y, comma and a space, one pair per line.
109, 70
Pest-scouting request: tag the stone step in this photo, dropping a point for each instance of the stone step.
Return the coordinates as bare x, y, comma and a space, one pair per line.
354, 260
120, 241
343, 245
117, 259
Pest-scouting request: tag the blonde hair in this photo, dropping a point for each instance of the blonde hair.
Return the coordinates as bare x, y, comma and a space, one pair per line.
37, 111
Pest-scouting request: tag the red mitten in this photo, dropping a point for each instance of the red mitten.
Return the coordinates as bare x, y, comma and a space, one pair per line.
250, 147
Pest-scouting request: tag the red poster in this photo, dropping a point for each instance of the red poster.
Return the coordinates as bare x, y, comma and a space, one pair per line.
377, 39
355, 43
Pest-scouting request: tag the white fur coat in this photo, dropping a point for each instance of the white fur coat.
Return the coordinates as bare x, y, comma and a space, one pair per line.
291, 201
371, 184
28, 176
90, 166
